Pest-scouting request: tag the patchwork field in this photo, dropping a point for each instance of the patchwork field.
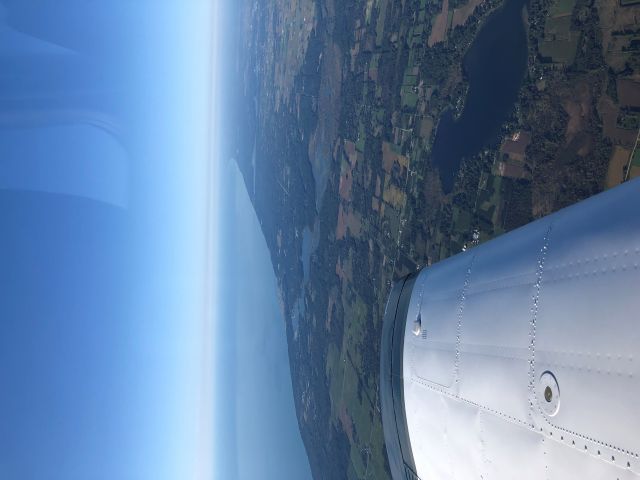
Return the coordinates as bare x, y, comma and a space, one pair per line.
349, 100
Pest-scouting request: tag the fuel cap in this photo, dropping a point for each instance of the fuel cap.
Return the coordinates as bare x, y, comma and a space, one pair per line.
549, 394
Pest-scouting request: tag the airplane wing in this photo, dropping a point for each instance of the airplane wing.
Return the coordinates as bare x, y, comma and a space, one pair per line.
517, 359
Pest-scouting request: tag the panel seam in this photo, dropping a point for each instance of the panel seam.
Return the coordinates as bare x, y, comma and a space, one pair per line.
461, 305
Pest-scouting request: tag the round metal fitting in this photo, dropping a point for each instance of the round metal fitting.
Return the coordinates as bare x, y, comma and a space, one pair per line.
549, 394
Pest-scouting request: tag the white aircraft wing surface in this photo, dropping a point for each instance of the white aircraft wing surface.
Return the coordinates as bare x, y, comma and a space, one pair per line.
518, 359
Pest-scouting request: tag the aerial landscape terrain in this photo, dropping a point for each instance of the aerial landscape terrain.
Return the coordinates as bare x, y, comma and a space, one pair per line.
381, 136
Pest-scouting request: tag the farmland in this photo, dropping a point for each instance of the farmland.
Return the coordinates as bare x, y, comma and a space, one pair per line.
346, 101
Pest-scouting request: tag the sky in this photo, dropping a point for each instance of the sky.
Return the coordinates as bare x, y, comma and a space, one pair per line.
110, 284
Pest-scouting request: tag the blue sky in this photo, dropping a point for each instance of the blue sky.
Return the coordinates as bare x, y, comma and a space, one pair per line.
105, 301
109, 298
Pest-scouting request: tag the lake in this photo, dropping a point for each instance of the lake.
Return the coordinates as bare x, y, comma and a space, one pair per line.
494, 66
256, 424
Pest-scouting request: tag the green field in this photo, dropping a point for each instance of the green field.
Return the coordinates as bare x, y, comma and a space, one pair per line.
562, 7
354, 403
560, 42
635, 159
